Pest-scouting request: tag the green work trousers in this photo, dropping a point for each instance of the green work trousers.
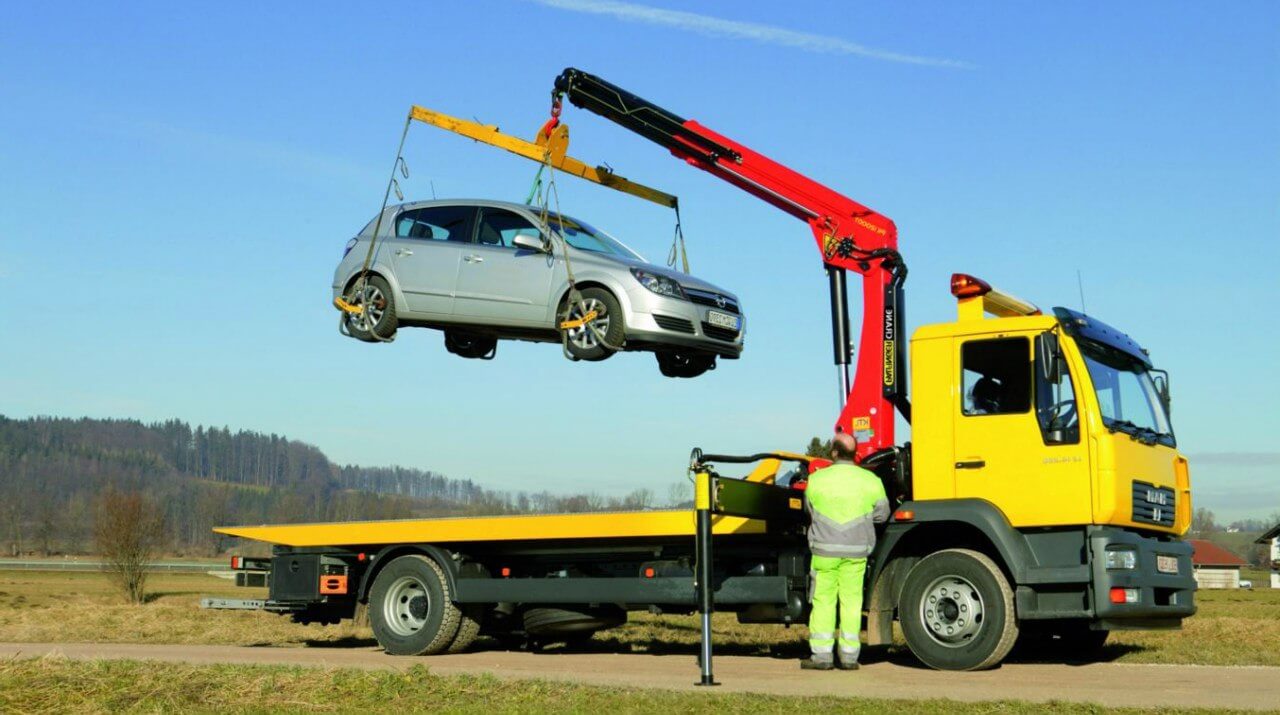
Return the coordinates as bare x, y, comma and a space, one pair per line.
836, 580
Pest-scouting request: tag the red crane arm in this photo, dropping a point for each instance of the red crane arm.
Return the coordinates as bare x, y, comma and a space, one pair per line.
850, 237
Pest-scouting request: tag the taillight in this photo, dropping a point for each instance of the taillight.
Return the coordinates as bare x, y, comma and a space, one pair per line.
350, 245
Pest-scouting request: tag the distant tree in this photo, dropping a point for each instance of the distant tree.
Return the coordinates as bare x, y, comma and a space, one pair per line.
679, 493
818, 448
1203, 522
128, 532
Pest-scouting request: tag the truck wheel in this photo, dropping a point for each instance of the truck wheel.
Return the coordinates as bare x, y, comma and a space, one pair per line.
410, 607
582, 342
380, 313
957, 611
550, 625
468, 628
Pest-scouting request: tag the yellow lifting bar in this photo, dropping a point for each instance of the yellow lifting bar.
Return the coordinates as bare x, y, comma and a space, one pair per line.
557, 143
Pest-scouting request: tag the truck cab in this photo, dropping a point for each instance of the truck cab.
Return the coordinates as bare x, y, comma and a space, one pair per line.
1044, 442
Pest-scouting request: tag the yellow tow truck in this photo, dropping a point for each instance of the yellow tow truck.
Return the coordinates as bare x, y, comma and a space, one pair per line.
1042, 495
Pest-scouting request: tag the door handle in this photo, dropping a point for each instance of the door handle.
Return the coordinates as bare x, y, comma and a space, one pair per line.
404, 252
971, 464
473, 258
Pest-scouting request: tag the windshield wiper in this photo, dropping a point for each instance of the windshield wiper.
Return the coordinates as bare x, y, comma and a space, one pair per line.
1145, 435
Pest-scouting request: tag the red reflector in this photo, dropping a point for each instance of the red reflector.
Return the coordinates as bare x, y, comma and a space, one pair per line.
1117, 595
236, 561
648, 572
964, 285
506, 571
362, 557
904, 515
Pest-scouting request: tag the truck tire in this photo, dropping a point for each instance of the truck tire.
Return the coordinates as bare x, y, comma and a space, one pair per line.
551, 625
957, 611
582, 342
378, 293
468, 628
410, 607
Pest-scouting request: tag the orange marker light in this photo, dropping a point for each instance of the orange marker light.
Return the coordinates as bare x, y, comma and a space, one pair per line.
964, 285
904, 515
506, 571
648, 572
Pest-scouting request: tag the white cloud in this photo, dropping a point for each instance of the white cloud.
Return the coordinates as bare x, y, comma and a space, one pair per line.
719, 27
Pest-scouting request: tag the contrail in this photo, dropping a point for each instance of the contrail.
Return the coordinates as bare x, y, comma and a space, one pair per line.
719, 27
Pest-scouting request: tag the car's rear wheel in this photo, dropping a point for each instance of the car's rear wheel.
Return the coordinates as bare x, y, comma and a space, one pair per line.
678, 364
379, 321
583, 342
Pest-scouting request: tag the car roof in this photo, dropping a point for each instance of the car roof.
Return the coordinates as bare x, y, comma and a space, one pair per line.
467, 202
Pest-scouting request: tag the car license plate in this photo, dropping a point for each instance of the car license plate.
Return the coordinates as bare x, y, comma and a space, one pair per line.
1167, 564
722, 320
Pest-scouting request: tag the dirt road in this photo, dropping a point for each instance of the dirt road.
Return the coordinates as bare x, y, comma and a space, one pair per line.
1107, 684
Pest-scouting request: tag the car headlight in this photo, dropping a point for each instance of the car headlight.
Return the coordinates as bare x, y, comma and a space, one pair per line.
661, 285
1122, 559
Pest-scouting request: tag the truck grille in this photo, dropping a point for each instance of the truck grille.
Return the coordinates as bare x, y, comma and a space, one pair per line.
1152, 504
667, 322
718, 333
710, 299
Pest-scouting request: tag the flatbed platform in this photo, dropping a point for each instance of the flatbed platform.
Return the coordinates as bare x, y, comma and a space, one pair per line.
606, 525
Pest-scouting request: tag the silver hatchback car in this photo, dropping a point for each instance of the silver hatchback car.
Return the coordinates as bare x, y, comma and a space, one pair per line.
483, 271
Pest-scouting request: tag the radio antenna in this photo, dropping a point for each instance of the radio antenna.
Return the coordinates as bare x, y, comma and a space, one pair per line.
433, 192
1080, 285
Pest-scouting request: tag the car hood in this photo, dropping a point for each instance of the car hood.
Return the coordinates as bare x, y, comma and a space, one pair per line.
582, 257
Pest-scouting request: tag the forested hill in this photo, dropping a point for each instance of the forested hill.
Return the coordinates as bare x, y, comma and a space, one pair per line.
51, 471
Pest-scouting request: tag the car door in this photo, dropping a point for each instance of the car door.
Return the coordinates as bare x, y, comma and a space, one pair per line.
1009, 448
499, 283
425, 251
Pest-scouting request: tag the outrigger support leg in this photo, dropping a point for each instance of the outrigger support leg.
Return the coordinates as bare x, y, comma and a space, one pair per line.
703, 584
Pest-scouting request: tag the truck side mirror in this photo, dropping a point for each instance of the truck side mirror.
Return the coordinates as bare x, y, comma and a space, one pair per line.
1049, 356
1161, 380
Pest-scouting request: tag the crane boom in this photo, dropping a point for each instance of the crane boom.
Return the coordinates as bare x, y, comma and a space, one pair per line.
850, 237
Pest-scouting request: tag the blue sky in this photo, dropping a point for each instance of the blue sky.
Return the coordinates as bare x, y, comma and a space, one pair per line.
178, 181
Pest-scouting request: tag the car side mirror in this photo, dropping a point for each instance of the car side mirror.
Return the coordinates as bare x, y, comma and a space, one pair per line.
529, 242
1049, 356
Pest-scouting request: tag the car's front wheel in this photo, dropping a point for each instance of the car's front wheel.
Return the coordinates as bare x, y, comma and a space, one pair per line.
378, 322
584, 341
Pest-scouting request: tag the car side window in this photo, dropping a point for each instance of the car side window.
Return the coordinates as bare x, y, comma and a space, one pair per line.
498, 227
996, 376
437, 223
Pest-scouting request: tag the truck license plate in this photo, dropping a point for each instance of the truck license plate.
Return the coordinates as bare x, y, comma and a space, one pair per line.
1167, 564
722, 320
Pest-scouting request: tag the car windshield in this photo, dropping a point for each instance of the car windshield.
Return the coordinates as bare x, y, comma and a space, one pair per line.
1127, 395
586, 238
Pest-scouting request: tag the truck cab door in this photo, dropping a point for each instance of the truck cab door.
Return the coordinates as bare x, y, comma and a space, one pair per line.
1017, 441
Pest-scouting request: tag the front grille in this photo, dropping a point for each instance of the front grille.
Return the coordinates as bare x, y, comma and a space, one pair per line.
1152, 504
679, 325
718, 333
702, 297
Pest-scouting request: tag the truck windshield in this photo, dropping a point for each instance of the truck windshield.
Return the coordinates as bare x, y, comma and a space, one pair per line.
1126, 393
586, 238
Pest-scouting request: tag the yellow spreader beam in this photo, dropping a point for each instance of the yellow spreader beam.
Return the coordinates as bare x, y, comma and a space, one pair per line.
557, 143
495, 528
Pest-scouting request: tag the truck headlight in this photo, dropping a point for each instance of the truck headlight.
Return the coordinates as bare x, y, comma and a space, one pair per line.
1122, 559
661, 285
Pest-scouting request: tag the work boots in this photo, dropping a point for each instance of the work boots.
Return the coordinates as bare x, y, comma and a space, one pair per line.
814, 664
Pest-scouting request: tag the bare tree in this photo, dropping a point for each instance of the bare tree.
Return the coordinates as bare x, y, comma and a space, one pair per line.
1203, 522
679, 493
128, 531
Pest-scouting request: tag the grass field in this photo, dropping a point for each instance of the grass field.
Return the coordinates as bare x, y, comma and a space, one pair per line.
1232, 627
57, 686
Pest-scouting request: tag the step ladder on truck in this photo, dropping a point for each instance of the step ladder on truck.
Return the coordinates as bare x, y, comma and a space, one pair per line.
1042, 495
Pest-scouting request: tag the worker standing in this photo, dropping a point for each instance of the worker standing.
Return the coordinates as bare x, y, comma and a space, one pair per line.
844, 502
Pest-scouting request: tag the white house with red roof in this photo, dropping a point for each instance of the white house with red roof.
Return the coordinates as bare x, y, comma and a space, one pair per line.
1272, 538
1215, 567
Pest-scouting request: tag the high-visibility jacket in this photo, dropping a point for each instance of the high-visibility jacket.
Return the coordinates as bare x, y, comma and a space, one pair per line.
844, 502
